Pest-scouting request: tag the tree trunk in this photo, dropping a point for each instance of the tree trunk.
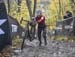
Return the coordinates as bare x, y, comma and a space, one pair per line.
8, 1
59, 14
34, 9
32, 14
29, 8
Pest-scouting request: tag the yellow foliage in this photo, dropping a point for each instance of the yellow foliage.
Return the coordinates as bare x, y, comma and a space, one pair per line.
53, 10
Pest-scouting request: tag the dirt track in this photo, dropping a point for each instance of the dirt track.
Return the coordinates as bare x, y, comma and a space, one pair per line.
53, 49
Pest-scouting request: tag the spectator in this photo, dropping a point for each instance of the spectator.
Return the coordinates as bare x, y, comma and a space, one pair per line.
69, 20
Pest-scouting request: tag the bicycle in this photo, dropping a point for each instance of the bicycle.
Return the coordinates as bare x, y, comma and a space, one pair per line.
28, 33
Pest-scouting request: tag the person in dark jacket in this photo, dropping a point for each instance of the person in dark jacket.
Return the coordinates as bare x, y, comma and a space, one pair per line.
68, 18
41, 27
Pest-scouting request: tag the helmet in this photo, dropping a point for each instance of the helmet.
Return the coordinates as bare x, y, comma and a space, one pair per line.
39, 12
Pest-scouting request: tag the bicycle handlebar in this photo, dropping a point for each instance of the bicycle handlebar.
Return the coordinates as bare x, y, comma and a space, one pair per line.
31, 22
23, 20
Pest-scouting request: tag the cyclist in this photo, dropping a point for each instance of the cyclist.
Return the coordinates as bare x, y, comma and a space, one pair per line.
41, 26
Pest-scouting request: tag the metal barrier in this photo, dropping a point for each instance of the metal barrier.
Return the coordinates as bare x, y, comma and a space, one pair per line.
63, 29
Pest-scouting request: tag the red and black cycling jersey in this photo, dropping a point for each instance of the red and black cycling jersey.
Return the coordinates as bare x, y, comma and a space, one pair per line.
41, 21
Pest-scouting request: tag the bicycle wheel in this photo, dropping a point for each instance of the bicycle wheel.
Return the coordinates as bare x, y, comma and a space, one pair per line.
25, 37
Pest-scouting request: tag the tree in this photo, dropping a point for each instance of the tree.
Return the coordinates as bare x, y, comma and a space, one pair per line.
59, 15
29, 7
8, 1
30, 12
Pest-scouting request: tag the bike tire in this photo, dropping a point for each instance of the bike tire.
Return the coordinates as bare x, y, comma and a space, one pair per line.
22, 46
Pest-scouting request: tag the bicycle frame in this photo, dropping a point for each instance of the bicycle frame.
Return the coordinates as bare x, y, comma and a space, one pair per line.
29, 33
